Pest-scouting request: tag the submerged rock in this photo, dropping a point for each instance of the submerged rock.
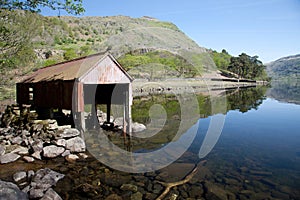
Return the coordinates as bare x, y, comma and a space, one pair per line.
47, 176
71, 158
42, 181
129, 187
51, 195
10, 191
113, 197
136, 196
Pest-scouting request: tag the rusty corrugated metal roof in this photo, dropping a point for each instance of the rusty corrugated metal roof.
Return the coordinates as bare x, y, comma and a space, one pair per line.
69, 70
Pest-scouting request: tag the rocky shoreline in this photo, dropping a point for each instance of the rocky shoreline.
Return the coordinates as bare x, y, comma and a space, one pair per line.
24, 139
31, 141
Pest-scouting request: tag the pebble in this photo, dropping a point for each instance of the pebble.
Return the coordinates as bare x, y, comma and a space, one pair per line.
136, 196
71, 158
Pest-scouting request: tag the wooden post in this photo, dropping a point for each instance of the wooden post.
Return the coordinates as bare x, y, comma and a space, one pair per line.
82, 123
78, 107
94, 115
108, 111
127, 111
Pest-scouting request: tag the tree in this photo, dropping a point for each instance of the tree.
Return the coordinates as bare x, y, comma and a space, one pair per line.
19, 24
222, 59
246, 66
15, 37
71, 6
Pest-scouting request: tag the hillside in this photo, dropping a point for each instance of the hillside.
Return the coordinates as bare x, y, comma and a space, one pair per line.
161, 46
70, 37
287, 67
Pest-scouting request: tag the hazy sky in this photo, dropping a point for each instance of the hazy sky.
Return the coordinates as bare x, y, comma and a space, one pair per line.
267, 28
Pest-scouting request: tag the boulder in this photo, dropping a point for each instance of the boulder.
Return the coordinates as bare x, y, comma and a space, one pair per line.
30, 174
37, 155
67, 152
37, 146
10, 157
52, 151
137, 127
69, 133
76, 145
60, 142
118, 121
20, 176
10, 191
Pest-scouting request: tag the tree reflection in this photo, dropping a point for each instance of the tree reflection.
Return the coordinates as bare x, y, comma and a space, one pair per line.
246, 99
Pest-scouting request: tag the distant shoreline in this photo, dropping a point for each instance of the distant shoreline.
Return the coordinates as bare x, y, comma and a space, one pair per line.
143, 87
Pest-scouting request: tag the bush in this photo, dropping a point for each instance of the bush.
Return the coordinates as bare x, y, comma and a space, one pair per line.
70, 54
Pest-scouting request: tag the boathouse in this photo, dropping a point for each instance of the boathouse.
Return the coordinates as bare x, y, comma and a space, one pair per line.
71, 85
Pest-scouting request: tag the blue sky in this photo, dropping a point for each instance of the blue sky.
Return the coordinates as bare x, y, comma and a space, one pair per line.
267, 28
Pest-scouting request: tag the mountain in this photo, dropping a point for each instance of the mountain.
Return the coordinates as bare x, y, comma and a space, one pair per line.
64, 38
286, 67
285, 73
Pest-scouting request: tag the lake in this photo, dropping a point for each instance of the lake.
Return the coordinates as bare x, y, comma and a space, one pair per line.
253, 152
